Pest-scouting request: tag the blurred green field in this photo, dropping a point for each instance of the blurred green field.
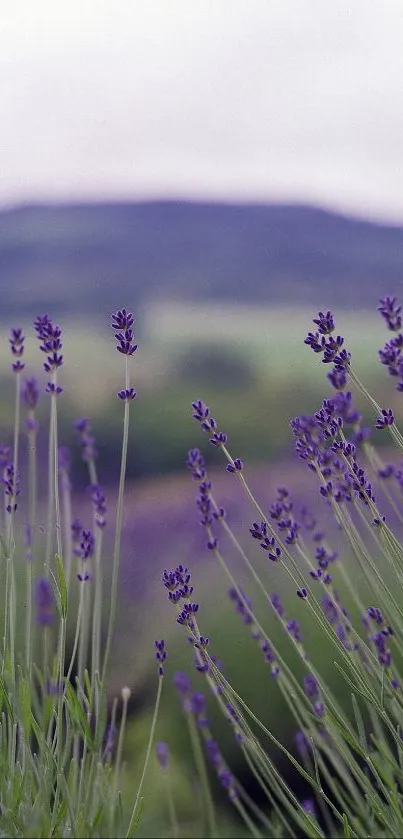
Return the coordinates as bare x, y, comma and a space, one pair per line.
268, 339
249, 364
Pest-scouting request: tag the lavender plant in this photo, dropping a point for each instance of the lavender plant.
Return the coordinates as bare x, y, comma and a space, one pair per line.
60, 747
346, 712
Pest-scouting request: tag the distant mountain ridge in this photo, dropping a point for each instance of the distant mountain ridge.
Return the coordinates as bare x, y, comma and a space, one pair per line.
89, 258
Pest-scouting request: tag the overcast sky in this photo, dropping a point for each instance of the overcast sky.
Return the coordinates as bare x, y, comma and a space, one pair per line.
224, 99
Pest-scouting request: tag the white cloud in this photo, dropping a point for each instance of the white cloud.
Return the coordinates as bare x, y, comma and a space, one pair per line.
258, 99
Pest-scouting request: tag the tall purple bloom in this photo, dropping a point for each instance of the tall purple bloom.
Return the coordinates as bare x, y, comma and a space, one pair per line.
84, 547
201, 413
99, 504
12, 489
17, 349
322, 341
123, 321
49, 336
380, 637
267, 542
391, 353
160, 655
85, 544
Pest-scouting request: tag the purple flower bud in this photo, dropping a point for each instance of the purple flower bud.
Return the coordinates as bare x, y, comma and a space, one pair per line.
386, 419
391, 312
182, 683
218, 439
311, 686
30, 393
315, 341
54, 390
236, 467
86, 545
11, 487
44, 602
201, 411
50, 336
293, 628
162, 753
160, 655
325, 323
42, 325
99, 503
110, 740
123, 320
198, 704
127, 395
86, 439
309, 806
17, 349
195, 462
277, 604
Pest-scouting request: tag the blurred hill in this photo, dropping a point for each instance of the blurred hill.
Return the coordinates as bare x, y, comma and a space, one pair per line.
70, 259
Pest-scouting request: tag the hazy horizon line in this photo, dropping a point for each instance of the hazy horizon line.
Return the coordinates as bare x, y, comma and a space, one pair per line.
331, 207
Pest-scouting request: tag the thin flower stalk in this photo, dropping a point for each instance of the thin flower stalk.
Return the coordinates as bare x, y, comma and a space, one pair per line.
161, 655
162, 752
123, 322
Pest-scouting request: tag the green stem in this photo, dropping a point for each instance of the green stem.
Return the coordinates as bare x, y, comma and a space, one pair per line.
118, 530
132, 823
32, 479
201, 768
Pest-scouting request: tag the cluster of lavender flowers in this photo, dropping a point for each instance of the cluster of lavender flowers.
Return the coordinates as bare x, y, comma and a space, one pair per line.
348, 742
60, 749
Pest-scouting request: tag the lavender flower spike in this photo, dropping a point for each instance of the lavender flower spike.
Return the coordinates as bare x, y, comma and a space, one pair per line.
17, 349
391, 312
11, 482
160, 655
122, 320
49, 334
